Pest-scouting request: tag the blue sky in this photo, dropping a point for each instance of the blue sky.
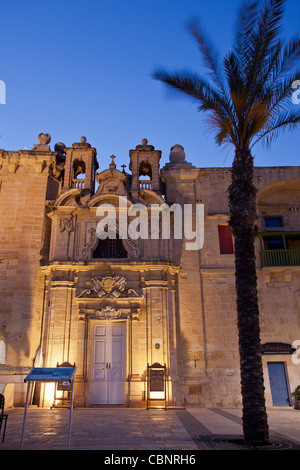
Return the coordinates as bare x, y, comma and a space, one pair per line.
76, 68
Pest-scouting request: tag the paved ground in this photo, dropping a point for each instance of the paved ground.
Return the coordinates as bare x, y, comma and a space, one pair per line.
134, 429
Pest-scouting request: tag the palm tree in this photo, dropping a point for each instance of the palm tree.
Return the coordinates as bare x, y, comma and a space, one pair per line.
246, 101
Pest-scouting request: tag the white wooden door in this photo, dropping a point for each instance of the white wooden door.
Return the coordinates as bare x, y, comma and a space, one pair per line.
108, 364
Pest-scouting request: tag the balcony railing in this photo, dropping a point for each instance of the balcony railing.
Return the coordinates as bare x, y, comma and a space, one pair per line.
78, 183
280, 257
145, 184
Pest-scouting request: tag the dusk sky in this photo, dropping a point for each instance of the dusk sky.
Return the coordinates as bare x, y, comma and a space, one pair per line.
75, 68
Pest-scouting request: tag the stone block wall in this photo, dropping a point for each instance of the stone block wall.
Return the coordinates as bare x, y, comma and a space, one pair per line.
26, 182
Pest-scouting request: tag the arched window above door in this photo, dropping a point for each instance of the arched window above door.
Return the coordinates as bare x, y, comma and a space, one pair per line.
110, 248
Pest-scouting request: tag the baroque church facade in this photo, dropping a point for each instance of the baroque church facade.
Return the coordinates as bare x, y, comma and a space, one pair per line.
114, 306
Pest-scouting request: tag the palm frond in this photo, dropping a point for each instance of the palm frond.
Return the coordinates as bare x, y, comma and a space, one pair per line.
208, 98
261, 41
238, 93
280, 94
245, 24
195, 86
287, 120
233, 72
209, 54
287, 59
251, 101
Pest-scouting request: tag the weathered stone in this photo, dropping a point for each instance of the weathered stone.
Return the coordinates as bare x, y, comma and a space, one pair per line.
177, 306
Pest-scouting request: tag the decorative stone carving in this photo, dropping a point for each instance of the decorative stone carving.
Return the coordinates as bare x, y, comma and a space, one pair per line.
91, 243
112, 186
66, 224
131, 248
44, 138
112, 181
109, 287
108, 313
44, 141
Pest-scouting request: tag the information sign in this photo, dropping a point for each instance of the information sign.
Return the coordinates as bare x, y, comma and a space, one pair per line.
50, 374
156, 388
157, 383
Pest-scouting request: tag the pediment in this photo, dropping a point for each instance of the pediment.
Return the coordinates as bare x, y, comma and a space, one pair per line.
111, 181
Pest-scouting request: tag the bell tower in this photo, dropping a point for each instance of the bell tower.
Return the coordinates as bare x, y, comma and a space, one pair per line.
144, 166
80, 166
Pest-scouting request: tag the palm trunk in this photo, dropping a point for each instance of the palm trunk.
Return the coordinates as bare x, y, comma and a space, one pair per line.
242, 202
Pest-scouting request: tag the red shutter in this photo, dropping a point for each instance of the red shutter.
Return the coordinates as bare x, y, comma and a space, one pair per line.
225, 239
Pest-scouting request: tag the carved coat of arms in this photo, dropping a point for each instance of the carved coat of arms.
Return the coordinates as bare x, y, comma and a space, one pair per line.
109, 287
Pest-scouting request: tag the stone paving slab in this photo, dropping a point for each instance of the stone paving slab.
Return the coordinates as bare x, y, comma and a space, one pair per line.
99, 429
136, 429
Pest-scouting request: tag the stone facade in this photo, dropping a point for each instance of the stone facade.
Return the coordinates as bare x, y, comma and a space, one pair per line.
115, 308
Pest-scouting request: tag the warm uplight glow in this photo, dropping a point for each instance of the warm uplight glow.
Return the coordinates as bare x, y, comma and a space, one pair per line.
49, 394
157, 395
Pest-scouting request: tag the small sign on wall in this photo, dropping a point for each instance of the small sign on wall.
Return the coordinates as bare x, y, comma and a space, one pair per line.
277, 348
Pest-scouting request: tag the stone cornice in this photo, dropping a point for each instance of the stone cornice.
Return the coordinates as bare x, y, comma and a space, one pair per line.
87, 266
25, 161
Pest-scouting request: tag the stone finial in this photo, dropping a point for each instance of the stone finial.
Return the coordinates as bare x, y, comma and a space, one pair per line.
177, 158
177, 154
83, 144
44, 140
144, 146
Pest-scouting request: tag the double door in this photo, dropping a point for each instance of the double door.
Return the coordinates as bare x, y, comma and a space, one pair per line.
108, 363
